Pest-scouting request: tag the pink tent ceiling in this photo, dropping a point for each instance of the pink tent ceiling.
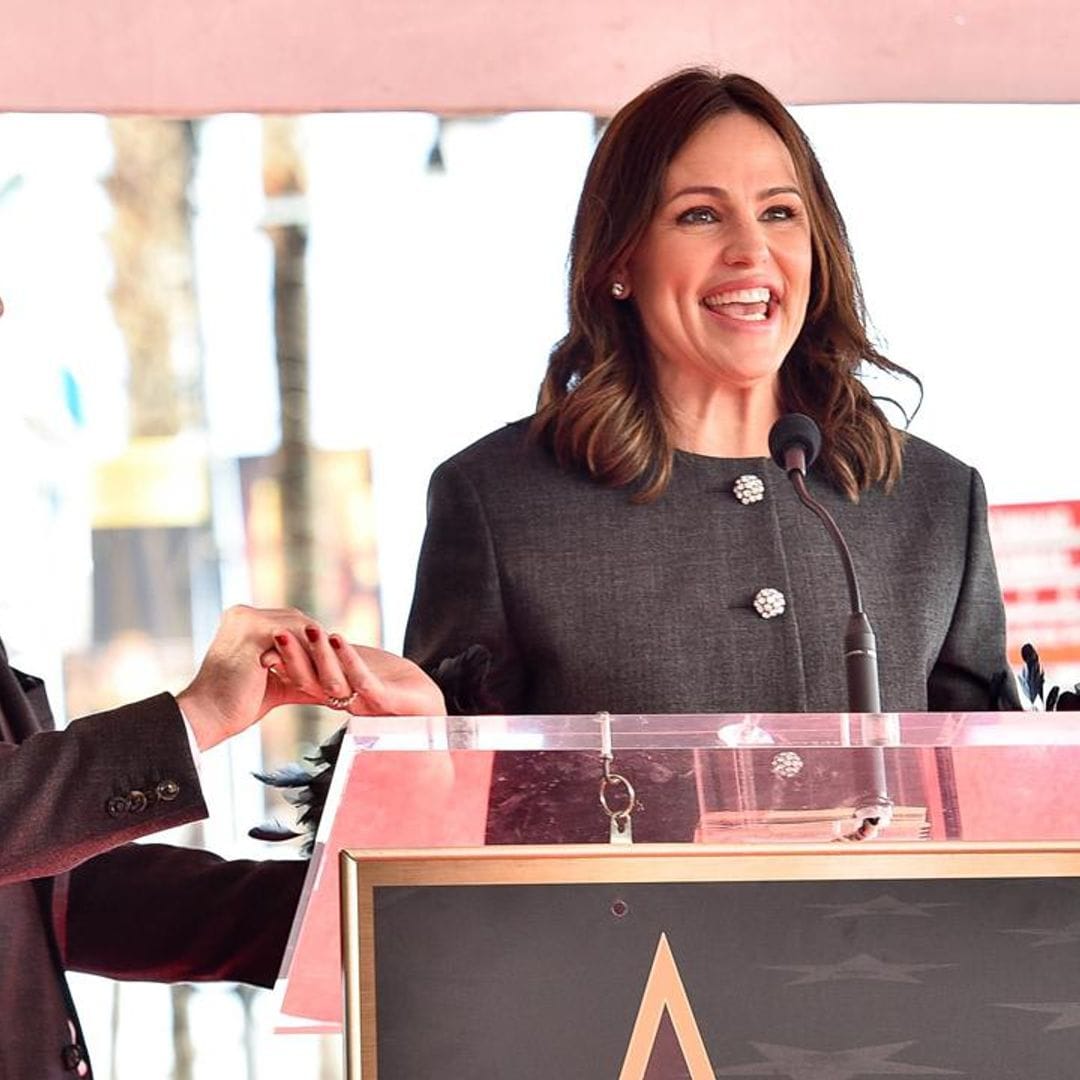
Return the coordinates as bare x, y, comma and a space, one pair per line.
461, 56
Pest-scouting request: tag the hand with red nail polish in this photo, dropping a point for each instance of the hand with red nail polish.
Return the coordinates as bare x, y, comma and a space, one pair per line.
244, 674
353, 678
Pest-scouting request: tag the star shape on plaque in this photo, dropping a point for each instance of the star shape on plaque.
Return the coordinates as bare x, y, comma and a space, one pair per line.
862, 967
880, 905
1064, 935
1067, 1013
798, 1063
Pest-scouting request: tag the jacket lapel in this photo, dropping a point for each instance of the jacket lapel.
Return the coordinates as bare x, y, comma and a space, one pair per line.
19, 718
7, 734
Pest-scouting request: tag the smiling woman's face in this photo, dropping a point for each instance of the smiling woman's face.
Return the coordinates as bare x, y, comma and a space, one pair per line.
721, 277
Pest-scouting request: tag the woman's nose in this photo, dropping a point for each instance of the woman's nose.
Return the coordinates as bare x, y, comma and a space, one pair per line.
745, 244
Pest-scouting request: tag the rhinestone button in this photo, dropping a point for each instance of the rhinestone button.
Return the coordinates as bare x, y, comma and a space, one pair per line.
786, 765
749, 489
769, 603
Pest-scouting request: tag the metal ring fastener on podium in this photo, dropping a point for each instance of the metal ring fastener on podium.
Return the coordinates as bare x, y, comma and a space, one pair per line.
621, 832
615, 780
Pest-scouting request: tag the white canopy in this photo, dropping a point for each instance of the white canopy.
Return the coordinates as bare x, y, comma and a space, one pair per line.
192, 57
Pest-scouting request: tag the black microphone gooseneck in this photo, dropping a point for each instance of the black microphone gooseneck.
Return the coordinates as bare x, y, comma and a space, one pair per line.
794, 443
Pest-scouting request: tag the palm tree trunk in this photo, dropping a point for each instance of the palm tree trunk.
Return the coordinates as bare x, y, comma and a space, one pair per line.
285, 183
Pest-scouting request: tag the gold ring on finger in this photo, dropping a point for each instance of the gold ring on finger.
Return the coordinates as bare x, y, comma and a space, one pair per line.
340, 702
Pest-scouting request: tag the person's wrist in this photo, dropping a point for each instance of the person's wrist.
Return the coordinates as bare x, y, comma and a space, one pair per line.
203, 719
193, 743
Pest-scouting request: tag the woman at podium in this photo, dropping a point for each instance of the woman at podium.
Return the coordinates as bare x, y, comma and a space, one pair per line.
632, 547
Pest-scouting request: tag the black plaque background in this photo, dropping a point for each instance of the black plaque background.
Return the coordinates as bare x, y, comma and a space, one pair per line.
531, 981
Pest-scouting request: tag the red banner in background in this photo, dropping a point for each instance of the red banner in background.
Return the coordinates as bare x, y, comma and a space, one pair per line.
1037, 547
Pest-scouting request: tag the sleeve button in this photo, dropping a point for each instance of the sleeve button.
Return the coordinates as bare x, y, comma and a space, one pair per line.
71, 1057
116, 806
167, 790
136, 802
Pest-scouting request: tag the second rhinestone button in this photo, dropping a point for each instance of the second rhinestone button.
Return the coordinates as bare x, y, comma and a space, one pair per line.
769, 603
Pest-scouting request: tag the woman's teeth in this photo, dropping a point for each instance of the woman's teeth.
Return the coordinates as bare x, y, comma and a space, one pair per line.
748, 305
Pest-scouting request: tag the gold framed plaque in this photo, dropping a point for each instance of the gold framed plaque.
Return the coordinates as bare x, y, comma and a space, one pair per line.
662, 961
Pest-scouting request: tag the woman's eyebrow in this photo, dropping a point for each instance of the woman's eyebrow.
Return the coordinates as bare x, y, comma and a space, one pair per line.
722, 193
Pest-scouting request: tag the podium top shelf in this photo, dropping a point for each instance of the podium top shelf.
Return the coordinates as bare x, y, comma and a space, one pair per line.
713, 731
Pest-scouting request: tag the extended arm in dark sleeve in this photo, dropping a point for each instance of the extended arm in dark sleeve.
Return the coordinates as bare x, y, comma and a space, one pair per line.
458, 601
68, 795
974, 649
154, 912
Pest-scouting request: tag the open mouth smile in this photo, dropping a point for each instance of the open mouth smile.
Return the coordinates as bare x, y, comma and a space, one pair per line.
753, 305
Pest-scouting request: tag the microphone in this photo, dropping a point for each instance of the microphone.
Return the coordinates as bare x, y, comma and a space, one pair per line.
794, 443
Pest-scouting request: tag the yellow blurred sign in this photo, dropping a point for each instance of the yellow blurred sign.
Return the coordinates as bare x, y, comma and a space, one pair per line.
155, 482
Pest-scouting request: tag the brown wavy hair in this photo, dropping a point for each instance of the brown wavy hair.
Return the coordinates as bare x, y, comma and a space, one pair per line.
599, 407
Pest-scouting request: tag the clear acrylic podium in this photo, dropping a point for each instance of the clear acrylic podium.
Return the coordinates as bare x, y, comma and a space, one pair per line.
902, 808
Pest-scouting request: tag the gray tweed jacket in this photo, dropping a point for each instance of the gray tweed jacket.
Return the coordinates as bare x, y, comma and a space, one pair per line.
589, 602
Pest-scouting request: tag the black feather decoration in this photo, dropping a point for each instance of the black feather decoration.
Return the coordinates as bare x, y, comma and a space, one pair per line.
303, 787
1032, 678
1069, 700
464, 681
293, 775
1032, 681
272, 831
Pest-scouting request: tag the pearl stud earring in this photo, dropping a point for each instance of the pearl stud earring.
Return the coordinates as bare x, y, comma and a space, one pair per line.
618, 290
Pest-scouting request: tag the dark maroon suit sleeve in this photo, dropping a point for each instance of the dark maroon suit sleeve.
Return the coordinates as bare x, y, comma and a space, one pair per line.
154, 912
68, 795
